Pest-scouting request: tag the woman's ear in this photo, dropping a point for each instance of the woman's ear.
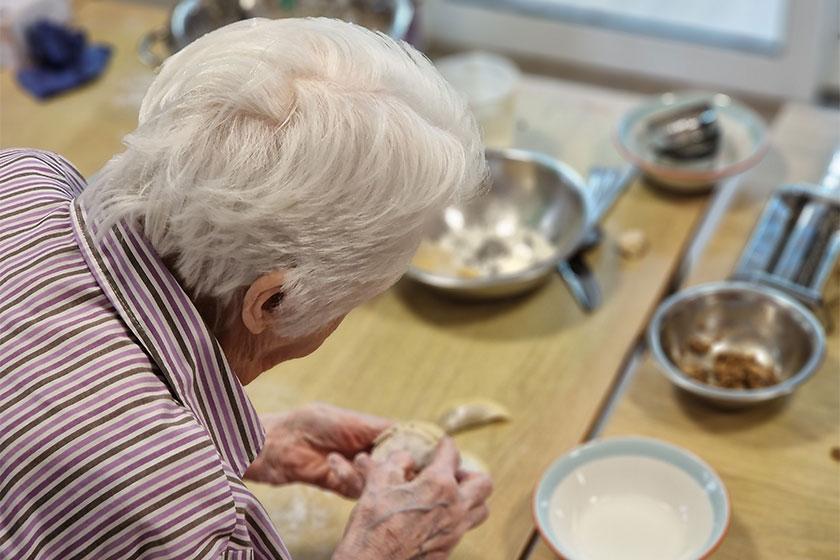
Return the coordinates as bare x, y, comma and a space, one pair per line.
263, 295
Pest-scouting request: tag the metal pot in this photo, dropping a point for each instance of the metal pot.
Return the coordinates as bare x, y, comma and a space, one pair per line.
526, 190
190, 19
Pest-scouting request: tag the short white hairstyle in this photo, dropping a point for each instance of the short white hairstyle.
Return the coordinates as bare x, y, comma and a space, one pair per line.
311, 146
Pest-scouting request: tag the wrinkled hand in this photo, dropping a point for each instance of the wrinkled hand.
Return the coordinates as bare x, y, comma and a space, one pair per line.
424, 518
316, 445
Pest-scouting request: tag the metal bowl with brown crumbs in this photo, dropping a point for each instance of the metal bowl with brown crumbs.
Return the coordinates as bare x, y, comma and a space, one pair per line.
736, 343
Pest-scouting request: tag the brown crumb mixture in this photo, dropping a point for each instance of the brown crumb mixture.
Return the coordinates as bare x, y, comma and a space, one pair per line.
731, 370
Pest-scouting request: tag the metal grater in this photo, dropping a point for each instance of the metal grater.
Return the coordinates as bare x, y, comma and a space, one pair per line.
796, 243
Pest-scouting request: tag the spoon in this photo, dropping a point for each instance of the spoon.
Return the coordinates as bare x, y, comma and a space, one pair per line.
690, 132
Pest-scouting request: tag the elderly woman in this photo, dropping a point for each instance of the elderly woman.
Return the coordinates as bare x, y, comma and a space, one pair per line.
281, 174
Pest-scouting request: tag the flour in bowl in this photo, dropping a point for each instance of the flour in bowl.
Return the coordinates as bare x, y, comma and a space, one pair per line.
474, 252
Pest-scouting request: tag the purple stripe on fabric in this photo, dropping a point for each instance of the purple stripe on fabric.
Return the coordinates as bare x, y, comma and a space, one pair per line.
20, 262
191, 321
58, 300
39, 201
70, 386
68, 322
129, 422
188, 315
18, 385
31, 343
32, 164
25, 223
36, 486
14, 236
76, 352
47, 235
263, 521
25, 293
185, 545
43, 285
152, 323
16, 221
40, 260
131, 503
14, 264
212, 496
76, 496
28, 164
83, 417
69, 417
71, 286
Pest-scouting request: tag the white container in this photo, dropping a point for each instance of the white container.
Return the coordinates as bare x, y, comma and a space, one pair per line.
631, 498
489, 84
16, 16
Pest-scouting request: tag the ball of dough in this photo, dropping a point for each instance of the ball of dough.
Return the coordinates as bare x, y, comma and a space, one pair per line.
633, 244
417, 438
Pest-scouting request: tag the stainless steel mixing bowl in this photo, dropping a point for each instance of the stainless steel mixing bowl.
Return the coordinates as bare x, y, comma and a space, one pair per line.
190, 19
526, 189
741, 317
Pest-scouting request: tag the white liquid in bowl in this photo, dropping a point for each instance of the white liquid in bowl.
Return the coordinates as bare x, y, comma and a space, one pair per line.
630, 508
640, 526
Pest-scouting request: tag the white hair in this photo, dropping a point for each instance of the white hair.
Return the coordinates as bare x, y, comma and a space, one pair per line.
311, 146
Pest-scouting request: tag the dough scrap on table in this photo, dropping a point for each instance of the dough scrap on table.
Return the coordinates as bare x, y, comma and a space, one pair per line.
633, 244
472, 414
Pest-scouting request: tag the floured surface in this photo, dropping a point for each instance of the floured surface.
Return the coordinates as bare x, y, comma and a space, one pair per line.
310, 520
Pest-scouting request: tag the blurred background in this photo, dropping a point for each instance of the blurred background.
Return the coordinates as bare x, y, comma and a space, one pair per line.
549, 76
765, 52
768, 48
772, 49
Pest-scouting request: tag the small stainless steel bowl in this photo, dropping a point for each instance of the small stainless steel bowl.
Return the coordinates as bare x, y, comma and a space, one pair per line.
741, 317
526, 189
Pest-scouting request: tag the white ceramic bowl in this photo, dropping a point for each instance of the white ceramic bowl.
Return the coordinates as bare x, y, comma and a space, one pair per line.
631, 499
743, 142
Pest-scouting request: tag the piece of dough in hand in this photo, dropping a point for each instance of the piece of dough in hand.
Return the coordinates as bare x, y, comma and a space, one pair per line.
417, 438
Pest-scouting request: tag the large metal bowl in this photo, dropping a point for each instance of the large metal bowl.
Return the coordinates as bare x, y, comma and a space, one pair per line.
190, 19
526, 189
741, 317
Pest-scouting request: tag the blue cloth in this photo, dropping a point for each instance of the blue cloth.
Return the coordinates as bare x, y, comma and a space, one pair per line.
62, 59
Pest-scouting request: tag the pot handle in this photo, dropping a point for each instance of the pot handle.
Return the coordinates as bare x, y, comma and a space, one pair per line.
606, 184
146, 47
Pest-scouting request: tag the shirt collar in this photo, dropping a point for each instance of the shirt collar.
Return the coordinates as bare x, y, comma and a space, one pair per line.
158, 312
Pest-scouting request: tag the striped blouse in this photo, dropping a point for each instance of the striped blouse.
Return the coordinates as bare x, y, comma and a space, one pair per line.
123, 432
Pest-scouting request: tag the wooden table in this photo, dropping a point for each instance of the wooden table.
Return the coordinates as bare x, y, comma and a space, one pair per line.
409, 353
775, 460
87, 125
